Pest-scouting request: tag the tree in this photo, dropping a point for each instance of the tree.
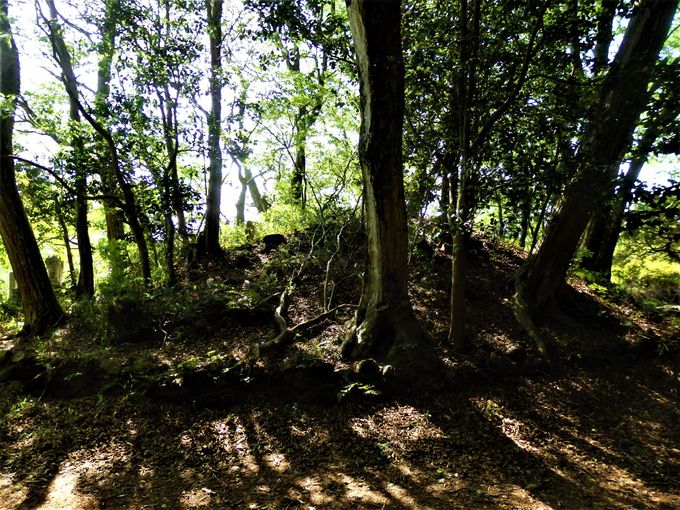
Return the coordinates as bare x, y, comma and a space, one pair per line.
108, 28
212, 213
40, 306
61, 53
385, 325
309, 36
608, 132
605, 225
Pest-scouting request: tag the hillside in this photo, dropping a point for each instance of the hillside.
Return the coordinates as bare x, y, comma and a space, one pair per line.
165, 408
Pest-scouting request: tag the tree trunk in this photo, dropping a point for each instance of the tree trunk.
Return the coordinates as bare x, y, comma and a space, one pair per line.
67, 241
212, 219
40, 306
605, 225
85, 286
258, 200
460, 218
297, 181
525, 218
604, 35
607, 134
385, 325
115, 229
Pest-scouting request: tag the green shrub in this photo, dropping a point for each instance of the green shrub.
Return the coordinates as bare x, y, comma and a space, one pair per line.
649, 279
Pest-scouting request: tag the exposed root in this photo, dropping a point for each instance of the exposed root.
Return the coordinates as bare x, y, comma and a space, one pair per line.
287, 334
526, 320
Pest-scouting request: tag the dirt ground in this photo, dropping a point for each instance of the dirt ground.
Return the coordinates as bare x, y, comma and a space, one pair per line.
595, 429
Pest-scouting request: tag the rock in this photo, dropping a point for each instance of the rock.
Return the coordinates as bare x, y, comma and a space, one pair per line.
515, 354
368, 371
273, 241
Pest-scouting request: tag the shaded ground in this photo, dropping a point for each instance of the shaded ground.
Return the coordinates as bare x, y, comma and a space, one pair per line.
598, 429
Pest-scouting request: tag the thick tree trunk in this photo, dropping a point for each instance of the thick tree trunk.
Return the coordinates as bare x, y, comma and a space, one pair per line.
40, 306
385, 325
212, 219
607, 135
605, 225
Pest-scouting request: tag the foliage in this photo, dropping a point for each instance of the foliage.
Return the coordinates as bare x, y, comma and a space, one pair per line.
651, 278
654, 219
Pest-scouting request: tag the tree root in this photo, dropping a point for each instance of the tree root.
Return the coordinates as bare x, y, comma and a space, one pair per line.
524, 316
287, 334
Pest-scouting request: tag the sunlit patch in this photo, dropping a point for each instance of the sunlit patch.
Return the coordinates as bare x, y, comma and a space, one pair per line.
196, 498
403, 497
11, 494
277, 462
315, 490
329, 489
402, 426
233, 438
63, 490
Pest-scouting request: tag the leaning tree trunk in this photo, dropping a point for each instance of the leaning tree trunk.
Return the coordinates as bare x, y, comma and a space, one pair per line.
40, 306
608, 133
85, 286
385, 325
605, 225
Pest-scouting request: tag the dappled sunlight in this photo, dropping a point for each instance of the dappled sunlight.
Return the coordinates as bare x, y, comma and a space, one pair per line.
599, 436
197, 498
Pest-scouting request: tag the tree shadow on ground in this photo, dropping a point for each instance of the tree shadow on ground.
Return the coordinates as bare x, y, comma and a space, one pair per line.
585, 439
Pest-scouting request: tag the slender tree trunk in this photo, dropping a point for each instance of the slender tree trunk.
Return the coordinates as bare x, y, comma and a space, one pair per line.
40, 306
464, 199
524, 220
297, 182
385, 325
604, 35
258, 200
536, 230
212, 219
67, 241
608, 133
241, 203
85, 287
115, 228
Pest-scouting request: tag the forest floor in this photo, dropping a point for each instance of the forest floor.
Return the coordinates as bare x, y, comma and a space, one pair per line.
176, 416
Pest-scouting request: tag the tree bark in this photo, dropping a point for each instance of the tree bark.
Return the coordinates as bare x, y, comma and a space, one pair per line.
605, 225
604, 35
212, 219
115, 229
607, 134
85, 286
40, 306
385, 325
67, 241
